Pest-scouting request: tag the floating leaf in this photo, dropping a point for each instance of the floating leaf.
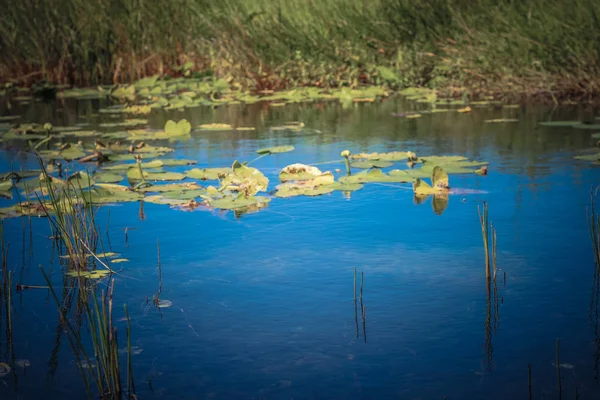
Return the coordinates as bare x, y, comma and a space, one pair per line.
500, 120
72, 152
164, 303
464, 110
119, 260
559, 123
391, 156
247, 179
439, 178
275, 149
375, 175
96, 274
291, 191
237, 202
160, 199
102, 195
372, 164
587, 126
170, 187
215, 127
208, 173
588, 157
4, 369
183, 127
107, 177
346, 187
133, 174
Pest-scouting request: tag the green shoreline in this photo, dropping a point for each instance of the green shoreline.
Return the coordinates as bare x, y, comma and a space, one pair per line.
533, 50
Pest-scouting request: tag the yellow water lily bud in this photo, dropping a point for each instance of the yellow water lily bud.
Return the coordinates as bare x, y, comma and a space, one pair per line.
346, 153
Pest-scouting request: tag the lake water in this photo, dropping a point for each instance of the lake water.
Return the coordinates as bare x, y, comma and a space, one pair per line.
262, 304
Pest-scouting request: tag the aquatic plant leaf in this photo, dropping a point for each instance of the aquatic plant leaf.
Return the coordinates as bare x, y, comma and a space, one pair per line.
107, 177
391, 156
247, 179
148, 82
6, 186
81, 93
160, 199
559, 123
107, 254
119, 260
96, 274
275, 149
290, 126
439, 177
375, 175
371, 164
215, 127
586, 126
81, 179
183, 127
208, 173
237, 202
171, 187
421, 187
174, 162
588, 157
126, 123
500, 120
102, 195
291, 191
596, 135
133, 174
79, 134
72, 152
346, 187
185, 194
456, 168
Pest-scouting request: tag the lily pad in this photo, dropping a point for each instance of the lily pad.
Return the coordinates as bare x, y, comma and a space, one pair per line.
500, 120
371, 164
208, 174
291, 191
119, 260
96, 274
72, 152
375, 175
237, 202
275, 149
588, 157
133, 174
107, 177
391, 156
559, 123
102, 195
160, 199
183, 127
586, 126
346, 187
171, 187
215, 127
247, 179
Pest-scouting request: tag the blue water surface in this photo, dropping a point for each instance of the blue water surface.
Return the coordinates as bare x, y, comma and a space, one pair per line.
262, 304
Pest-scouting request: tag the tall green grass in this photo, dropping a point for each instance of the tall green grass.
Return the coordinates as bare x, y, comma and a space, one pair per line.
532, 46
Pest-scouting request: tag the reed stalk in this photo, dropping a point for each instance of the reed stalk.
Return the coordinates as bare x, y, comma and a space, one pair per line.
484, 221
594, 228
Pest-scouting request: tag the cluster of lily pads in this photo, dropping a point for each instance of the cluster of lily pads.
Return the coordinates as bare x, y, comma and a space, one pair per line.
239, 187
178, 93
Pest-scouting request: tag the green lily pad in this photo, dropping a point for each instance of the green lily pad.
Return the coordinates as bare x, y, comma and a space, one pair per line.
346, 187
108, 254
275, 149
103, 195
119, 260
72, 152
107, 177
80, 134
287, 191
183, 127
171, 187
133, 174
215, 127
247, 179
500, 120
6, 186
208, 174
185, 194
586, 126
237, 202
559, 123
124, 167
81, 180
371, 164
176, 163
375, 175
5, 118
160, 199
96, 274
391, 156
588, 157
126, 123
